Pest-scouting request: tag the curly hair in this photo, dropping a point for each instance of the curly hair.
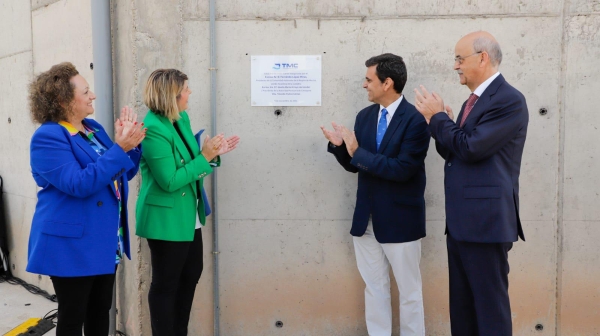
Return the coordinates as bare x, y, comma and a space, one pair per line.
51, 92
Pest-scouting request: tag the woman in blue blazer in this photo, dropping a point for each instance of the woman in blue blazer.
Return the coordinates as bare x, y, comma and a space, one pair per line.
79, 230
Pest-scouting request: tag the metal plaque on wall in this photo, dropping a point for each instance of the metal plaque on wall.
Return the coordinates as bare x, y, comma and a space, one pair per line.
285, 80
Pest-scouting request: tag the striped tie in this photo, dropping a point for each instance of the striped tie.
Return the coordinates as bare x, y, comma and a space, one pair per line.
470, 103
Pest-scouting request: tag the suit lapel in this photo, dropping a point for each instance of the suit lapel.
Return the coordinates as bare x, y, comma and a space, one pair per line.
483, 102
79, 141
179, 145
370, 129
188, 136
85, 146
393, 126
103, 138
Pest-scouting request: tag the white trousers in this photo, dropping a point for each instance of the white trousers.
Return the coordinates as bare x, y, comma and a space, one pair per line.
373, 260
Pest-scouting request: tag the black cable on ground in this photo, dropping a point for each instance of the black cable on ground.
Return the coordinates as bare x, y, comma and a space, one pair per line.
52, 316
29, 287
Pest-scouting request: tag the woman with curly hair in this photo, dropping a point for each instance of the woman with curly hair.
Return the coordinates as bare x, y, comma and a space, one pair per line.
79, 231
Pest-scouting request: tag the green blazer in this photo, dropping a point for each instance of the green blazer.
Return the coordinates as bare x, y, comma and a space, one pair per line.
168, 201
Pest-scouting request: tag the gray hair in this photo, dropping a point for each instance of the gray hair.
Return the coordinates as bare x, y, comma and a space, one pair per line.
491, 47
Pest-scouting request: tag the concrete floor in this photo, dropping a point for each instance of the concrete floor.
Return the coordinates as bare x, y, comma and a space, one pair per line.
14, 311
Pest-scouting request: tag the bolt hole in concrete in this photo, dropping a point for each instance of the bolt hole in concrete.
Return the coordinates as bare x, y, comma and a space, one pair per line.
539, 327
543, 111
279, 324
278, 112
91, 66
9, 121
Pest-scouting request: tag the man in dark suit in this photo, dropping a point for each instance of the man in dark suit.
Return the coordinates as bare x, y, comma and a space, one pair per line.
482, 153
387, 149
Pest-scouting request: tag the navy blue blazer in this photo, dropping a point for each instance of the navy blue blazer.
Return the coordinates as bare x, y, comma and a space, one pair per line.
391, 180
483, 163
74, 228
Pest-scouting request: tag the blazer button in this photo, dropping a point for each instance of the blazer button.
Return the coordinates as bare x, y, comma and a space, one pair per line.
99, 203
449, 164
182, 161
200, 176
182, 194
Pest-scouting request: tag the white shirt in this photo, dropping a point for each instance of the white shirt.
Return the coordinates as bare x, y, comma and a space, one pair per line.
481, 88
198, 224
391, 110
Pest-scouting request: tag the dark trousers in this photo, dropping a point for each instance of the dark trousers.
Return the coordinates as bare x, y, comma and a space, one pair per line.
176, 269
83, 302
479, 302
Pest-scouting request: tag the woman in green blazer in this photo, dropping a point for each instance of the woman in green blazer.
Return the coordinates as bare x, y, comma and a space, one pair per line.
170, 208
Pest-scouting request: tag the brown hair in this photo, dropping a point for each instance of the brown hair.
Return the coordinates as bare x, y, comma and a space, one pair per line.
51, 92
163, 87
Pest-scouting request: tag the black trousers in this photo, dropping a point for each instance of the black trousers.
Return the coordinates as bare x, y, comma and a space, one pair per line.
83, 302
479, 302
176, 269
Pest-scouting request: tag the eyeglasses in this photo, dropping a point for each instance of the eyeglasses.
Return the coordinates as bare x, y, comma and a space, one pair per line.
460, 60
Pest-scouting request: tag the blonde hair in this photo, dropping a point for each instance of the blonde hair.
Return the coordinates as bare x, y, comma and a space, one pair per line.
163, 87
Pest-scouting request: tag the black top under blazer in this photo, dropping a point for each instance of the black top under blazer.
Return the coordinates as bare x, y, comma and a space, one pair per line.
391, 180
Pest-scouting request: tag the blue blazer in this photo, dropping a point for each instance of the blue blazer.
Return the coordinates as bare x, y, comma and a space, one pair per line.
74, 228
391, 180
483, 163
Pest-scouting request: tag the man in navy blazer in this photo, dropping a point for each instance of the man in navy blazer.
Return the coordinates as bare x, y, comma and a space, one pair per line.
482, 153
387, 149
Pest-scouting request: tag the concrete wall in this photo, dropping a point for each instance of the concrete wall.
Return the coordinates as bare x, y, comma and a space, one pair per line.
285, 205
35, 35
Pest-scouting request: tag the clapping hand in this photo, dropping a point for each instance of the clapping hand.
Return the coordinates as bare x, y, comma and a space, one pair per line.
212, 146
229, 144
335, 137
128, 133
429, 104
349, 138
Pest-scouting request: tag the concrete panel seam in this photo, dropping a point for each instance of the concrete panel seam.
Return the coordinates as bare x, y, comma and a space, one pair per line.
19, 195
16, 53
31, 37
181, 22
561, 166
583, 14
136, 79
51, 2
379, 17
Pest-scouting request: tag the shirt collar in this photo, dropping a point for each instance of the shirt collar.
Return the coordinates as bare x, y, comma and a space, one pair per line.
481, 88
74, 131
392, 107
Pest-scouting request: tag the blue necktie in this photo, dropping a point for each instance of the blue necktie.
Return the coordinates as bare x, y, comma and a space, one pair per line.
381, 127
